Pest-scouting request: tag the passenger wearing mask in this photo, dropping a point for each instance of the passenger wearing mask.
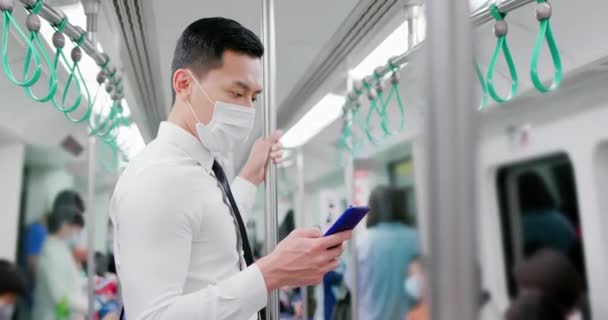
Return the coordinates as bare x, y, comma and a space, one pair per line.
58, 291
416, 288
36, 233
180, 243
383, 253
13, 285
543, 225
547, 282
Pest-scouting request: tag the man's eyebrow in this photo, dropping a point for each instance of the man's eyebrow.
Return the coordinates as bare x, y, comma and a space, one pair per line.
246, 87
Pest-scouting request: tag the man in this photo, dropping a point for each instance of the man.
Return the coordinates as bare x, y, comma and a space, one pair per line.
180, 244
13, 285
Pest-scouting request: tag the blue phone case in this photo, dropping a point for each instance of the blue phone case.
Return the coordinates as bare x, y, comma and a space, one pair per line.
348, 220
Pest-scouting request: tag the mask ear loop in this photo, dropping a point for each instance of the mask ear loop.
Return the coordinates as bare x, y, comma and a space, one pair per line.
193, 113
199, 86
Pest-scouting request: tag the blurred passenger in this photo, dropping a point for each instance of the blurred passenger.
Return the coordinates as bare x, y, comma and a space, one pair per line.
36, 232
556, 282
416, 288
331, 281
383, 253
543, 225
13, 285
58, 292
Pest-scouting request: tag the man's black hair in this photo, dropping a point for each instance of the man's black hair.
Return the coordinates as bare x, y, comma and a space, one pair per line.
388, 204
64, 215
202, 44
68, 198
12, 280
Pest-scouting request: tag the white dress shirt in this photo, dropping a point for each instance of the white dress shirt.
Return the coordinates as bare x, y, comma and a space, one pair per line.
175, 237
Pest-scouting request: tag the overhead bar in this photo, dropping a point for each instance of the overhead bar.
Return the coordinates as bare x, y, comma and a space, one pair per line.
479, 17
55, 16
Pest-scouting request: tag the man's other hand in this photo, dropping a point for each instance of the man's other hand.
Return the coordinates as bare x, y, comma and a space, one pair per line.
263, 149
302, 258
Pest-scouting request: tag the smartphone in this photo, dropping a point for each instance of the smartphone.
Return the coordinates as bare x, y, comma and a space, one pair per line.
348, 220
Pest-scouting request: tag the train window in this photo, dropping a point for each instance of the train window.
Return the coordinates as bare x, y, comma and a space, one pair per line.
539, 209
401, 175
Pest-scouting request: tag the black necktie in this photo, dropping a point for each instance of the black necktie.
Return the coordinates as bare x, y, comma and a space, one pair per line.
221, 177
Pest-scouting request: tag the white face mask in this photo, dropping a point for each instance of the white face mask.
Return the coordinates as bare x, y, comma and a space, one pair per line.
413, 287
6, 311
74, 240
229, 126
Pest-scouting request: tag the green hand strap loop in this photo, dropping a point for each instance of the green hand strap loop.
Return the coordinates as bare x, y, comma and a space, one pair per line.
81, 39
385, 125
52, 87
61, 25
543, 14
113, 165
356, 121
63, 108
26, 82
95, 124
105, 64
37, 7
500, 29
484, 87
78, 78
373, 108
102, 129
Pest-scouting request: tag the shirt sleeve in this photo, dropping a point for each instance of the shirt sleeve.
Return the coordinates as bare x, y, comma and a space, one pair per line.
34, 239
244, 193
154, 233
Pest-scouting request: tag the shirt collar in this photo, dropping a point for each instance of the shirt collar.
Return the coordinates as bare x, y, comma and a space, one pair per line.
179, 137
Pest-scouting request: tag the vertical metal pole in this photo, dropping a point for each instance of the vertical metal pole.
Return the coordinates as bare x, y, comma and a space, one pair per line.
451, 155
412, 16
302, 220
91, 8
349, 180
269, 65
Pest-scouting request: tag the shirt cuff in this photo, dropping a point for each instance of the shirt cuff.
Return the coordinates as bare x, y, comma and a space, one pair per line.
250, 288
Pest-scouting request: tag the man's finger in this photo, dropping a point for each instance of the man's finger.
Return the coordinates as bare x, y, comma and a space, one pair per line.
312, 233
275, 136
336, 239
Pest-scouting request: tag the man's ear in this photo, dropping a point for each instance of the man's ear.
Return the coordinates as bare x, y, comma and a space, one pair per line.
181, 82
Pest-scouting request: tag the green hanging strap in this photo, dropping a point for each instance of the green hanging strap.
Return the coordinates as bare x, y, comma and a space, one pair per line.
33, 24
103, 128
113, 158
373, 98
95, 124
501, 28
394, 92
543, 15
7, 9
484, 87
59, 43
77, 77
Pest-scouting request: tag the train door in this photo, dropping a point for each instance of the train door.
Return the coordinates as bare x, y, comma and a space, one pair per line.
539, 210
